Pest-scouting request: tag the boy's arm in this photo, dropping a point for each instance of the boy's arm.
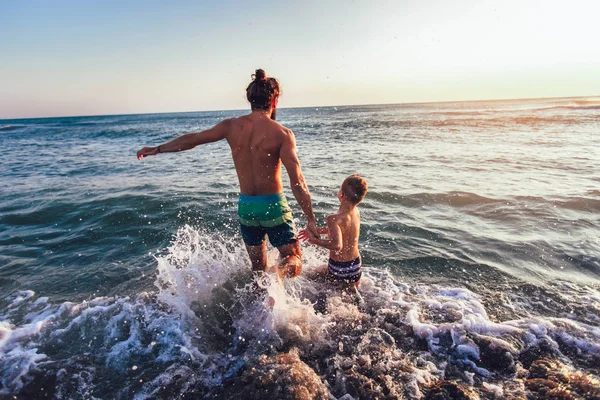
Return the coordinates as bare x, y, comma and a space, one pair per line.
189, 140
334, 241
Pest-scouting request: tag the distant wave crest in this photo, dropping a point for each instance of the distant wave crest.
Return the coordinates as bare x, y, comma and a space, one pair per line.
6, 128
590, 104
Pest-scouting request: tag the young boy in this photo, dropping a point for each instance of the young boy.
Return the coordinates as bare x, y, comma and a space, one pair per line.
343, 229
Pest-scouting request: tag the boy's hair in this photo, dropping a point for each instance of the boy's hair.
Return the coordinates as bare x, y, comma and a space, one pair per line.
355, 188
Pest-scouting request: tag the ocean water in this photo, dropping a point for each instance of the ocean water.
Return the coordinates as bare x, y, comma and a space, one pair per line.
480, 240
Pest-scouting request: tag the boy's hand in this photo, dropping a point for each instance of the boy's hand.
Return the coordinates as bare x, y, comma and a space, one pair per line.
303, 235
307, 236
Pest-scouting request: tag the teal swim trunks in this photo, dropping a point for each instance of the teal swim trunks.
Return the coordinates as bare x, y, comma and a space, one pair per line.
268, 215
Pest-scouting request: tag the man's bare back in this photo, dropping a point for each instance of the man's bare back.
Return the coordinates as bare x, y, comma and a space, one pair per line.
256, 142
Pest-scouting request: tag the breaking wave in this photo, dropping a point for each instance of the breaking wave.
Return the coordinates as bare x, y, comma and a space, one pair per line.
205, 330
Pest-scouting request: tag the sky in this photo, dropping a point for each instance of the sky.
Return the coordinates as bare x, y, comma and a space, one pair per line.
63, 58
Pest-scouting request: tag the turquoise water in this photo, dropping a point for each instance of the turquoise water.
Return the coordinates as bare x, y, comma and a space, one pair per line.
482, 219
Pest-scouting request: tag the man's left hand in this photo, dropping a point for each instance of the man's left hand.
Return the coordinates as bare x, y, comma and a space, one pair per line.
147, 151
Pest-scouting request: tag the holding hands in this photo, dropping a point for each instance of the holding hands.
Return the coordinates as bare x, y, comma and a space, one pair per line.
312, 234
307, 236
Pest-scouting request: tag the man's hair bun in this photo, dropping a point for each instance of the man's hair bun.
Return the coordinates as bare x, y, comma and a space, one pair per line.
260, 75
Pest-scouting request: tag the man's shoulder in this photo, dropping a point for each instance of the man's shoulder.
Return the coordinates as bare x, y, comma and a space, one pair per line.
285, 134
232, 121
227, 123
280, 133
235, 124
274, 126
278, 127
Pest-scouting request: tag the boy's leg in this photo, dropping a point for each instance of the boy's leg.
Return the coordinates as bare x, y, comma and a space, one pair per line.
350, 293
357, 297
291, 260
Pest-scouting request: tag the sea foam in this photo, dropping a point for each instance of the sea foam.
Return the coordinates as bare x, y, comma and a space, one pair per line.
207, 330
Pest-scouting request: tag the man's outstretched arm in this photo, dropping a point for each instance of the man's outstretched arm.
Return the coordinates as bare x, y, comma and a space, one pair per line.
289, 158
189, 140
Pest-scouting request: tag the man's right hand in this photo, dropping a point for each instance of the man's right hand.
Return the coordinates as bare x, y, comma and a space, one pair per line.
147, 151
311, 227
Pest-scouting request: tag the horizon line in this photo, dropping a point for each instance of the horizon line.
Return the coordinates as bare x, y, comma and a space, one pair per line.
301, 107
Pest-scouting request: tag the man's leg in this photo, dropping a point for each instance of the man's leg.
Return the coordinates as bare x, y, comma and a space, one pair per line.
254, 239
258, 257
291, 260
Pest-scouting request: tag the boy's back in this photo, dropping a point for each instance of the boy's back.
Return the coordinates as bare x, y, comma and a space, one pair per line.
348, 223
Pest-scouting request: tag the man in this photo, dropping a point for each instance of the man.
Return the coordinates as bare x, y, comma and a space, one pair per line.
259, 146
